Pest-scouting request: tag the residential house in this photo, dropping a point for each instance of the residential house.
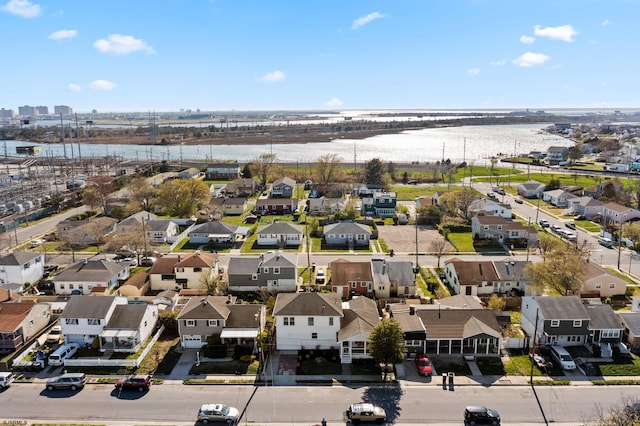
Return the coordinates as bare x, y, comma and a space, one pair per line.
283, 188
597, 190
347, 233
605, 328
213, 232
392, 278
585, 206
276, 205
160, 231
274, 272
453, 325
133, 223
530, 189
84, 317
599, 281
229, 206
502, 230
137, 285
326, 206
614, 213
219, 316
379, 204
437, 197
280, 234
307, 321
558, 197
489, 207
360, 316
21, 267
229, 170
85, 232
184, 271
83, 276
190, 173
631, 323
470, 277
512, 279
557, 154
128, 327
561, 320
351, 278
241, 187
21, 322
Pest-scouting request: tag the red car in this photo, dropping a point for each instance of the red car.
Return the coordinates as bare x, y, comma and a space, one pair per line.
140, 382
423, 364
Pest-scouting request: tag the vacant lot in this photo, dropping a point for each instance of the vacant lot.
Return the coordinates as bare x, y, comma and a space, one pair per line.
402, 238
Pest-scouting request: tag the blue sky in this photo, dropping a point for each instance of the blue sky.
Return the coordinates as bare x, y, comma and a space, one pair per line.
166, 55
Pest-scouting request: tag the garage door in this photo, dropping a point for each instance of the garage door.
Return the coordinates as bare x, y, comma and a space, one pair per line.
191, 342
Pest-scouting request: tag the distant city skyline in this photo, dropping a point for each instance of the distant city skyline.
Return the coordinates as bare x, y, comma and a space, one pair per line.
221, 55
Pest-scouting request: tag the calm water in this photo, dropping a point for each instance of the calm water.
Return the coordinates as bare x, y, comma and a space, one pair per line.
474, 144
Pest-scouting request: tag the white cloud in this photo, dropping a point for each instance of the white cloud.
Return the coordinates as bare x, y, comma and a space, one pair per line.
530, 59
272, 77
473, 71
62, 34
606, 22
527, 39
102, 85
122, 45
498, 63
564, 33
333, 102
22, 8
72, 87
366, 19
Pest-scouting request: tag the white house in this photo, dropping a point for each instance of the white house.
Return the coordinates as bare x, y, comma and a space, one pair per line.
21, 267
530, 189
84, 276
558, 197
490, 208
307, 320
128, 327
280, 234
84, 317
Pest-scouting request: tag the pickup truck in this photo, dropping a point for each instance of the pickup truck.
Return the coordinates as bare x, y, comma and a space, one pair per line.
140, 382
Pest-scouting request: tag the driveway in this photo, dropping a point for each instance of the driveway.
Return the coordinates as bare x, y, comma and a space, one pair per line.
402, 238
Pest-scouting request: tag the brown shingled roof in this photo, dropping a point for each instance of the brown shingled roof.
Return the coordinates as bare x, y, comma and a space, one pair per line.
12, 314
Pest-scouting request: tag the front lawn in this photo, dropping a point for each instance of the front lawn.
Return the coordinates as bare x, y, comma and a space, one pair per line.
225, 367
626, 366
520, 365
491, 366
461, 241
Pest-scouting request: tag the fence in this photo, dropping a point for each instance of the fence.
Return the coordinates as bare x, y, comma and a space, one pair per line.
100, 362
515, 343
181, 237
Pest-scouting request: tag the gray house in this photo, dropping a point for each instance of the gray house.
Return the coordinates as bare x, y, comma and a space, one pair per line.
271, 271
215, 232
283, 188
343, 233
562, 320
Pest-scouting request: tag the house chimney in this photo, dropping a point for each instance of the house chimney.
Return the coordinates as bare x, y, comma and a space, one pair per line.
412, 310
204, 301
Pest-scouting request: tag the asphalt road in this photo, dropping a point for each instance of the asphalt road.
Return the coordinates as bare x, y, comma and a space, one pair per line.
421, 404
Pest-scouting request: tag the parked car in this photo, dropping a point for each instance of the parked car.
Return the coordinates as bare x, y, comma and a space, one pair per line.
491, 195
6, 378
562, 357
478, 414
570, 225
544, 223
55, 334
423, 364
320, 276
147, 261
71, 381
218, 413
606, 242
518, 200
366, 412
139, 382
555, 228
37, 243
579, 217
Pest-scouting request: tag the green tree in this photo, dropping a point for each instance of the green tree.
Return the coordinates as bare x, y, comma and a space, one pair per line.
182, 197
328, 169
459, 202
246, 171
386, 343
496, 303
374, 173
429, 215
562, 271
575, 153
554, 183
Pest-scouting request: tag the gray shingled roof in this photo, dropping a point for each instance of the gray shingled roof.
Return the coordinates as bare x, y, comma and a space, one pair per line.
217, 228
91, 270
18, 258
346, 228
250, 265
87, 306
632, 321
562, 307
603, 318
310, 304
281, 228
126, 317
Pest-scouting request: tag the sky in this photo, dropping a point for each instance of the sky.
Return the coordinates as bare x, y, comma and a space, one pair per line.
220, 55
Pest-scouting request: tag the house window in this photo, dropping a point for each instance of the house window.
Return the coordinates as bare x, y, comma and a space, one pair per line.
167, 277
71, 321
555, 323
607, 334
612, 286
330, 320
93, 321
276, 270
314, 335
212, 323
190, 323
310, 321
598, 285
179, 269
265, 270
577, 323
197, 269
353, 285
145, 323
254, 277
289, 321
31, 323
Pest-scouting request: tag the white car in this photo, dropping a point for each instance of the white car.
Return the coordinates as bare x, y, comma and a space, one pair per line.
218, 413
37, 243
320, 276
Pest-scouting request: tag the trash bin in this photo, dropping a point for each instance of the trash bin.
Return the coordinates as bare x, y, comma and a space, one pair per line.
324, 422
444, 381
452, 375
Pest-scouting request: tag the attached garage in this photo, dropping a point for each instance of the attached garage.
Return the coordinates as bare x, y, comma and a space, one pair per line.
191, 342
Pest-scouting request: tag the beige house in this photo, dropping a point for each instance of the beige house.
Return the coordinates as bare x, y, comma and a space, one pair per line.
184, 271
85, 232
599, 280
137, 285
86, 275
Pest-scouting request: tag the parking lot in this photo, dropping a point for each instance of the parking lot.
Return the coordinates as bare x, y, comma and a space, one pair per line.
402, 238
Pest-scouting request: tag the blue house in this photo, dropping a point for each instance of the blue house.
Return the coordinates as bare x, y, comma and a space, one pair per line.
379, 204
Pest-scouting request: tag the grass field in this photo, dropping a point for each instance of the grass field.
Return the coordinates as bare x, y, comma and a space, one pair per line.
461, 241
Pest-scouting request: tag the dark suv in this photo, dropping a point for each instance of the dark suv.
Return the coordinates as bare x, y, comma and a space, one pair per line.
477, 414
139, 382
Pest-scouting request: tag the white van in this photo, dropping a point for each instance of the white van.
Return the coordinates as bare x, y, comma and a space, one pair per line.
607, 242
563, 358
62, 353
6, 378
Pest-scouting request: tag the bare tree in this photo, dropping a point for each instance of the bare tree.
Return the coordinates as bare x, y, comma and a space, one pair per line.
215, 284
459, 202
619, 414
328, 169
440, 247
261, 167
562, 272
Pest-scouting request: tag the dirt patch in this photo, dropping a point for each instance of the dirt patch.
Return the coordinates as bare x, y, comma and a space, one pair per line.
402, 238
